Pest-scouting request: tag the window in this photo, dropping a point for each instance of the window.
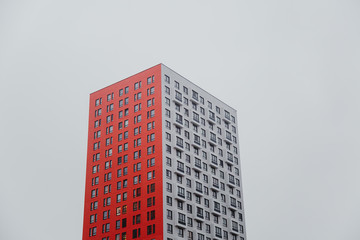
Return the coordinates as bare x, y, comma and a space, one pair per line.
106, 214
120, 147
97, 123
137, 96
107, 176
92, 231
108, 141
95, 181
94, 205
150, 229
168, 124
202, 100
218, 232
120, 137
150, 91
137, 131
179, 141
96, 157
167, 112
151, 114
150, 201
180, 166
168, 161
137, 167
137, 85
98, 101
177, 85
137, 154
181, 192
168, 200
150, 80
178, 96
151, 150
109, 118
137, 192
168, 149
168, 187
168, 136
137, 107
107, 189
98, 112
169, 228
96, 168
151, 175
96, 146
108, 130
151, 162
151, 188
169, 214
195, 95
180, 205
168, 174
110, 97
136, 233
167, 90
186, 101
97, 134
150, 215
109, 108
151, 102
108, 164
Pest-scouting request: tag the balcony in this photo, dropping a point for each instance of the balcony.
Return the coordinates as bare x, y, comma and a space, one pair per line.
198, 164
215, 187
218, 235
182, 221
178, 97
228, 136
195, 96
179, 121
199, 189
180, 168
179, 144
181, 194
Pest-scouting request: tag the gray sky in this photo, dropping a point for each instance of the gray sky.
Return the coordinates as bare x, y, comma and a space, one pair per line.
290, 68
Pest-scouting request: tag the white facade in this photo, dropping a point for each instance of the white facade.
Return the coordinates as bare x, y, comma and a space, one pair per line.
202, 192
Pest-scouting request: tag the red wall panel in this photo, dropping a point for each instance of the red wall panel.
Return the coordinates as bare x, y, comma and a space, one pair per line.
102, 93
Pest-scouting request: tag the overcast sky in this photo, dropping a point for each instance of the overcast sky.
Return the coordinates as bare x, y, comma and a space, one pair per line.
290, 68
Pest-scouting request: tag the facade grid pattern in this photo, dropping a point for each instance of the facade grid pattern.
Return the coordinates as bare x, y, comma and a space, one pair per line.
203, 192
162, 162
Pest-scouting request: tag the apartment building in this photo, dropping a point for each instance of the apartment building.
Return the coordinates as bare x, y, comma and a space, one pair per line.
162, 162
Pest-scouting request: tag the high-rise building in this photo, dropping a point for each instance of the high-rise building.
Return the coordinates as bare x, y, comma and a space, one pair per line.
162, 162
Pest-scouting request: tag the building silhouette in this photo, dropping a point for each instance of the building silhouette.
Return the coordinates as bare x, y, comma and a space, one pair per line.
162, 162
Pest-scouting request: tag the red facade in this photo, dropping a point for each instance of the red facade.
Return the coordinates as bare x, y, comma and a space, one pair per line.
123, 195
